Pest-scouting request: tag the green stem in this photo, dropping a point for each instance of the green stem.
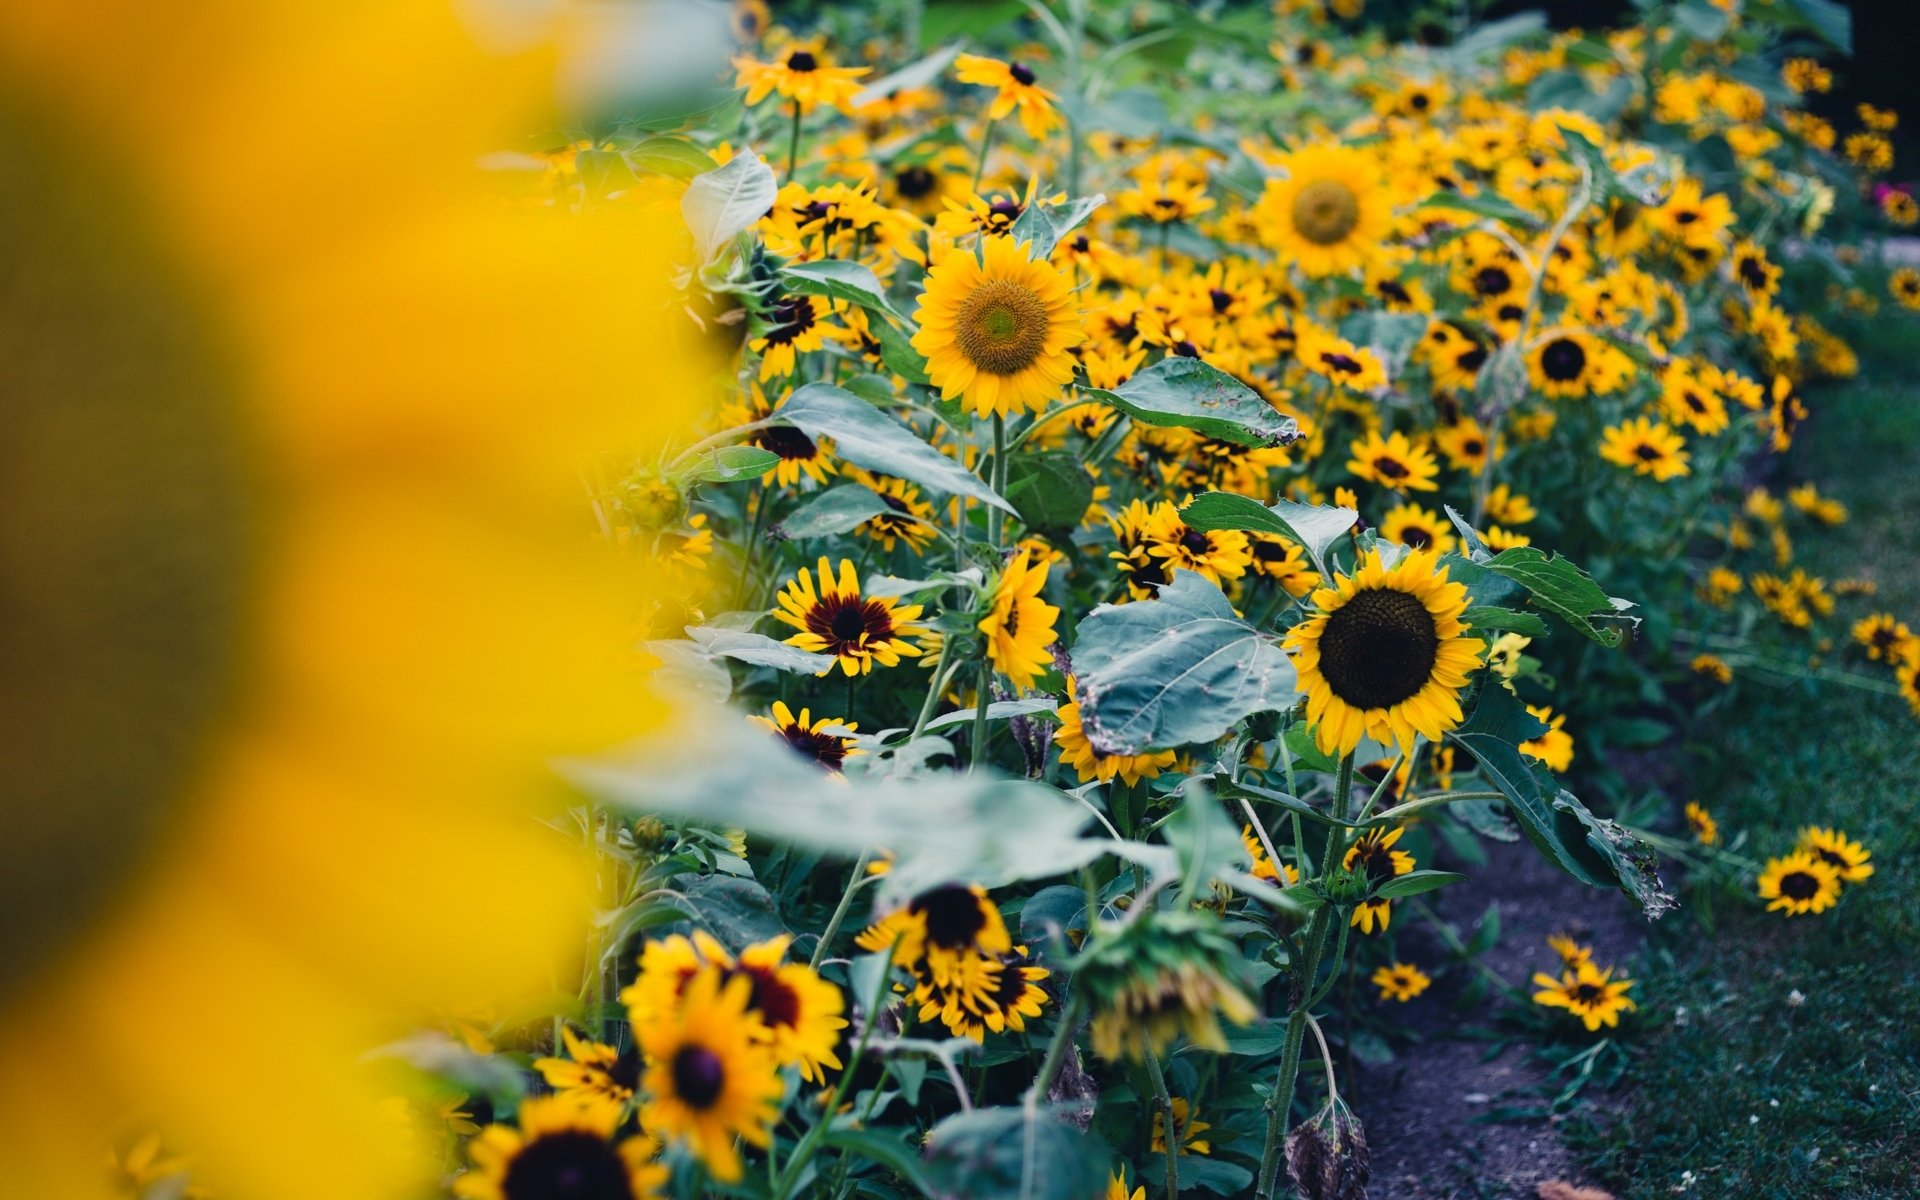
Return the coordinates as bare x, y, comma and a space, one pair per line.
793, 142
810, 1142
982, 690
986, 144
840, 910
1172, 1155
937, 678
996, 518
1056, 1052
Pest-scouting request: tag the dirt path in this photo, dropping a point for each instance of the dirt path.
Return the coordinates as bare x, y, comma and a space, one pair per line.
1420, 1109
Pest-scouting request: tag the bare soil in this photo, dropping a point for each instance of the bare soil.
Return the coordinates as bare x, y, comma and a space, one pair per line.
1425, 1111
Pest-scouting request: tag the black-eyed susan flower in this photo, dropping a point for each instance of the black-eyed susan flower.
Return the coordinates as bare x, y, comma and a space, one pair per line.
1701, 824
823, 741
1806, 498
1220, 555
998, 330
1645, 447
1187, 1130
1385, 653
1164, 200
1799, 883
1498, 539
711, 1077
1785, 411
1572, 953
944, 928
593, 1075
837, 620
909, 519
1508, 507
1278, 874
1282, 560
1394, 461
1330, 212
558, 1147
792, 328
1374, 860
1167, 973
1587, 992
804, 74
1018, 626
749, 20
1465, 445
1417, 528
1846, 856
1805, 75
1016, 86
1571, 363
1554, 747
1504, 653
1400, 981
1090, 764
1117, 1187
1337, 360
1904, 286
1884, 637
1712, 666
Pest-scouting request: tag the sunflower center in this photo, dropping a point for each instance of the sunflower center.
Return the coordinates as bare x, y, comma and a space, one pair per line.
1416, 537
915, 182
952, 914
1378, 649
698, 1076
567, 1165
786, 441
1492, 281
802, 60
848, 623
824, 748
1563, 360
1022, 74
625, 1071
1002, 327
1325, 211
776, 1002
1799, 886
1586, 993
1647, 452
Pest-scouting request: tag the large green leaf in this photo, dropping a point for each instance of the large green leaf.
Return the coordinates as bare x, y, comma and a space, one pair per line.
726, 464
739, 912
757, 650
727, 201
913, 75
1013, 1154
1187, 393
835, 510
1050, 490
672, 156
1045, 224
835, 279
1177, 669
1564, 590
1314, 527
867, 437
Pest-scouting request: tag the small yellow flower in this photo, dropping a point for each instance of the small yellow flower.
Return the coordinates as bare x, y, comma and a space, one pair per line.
1587, 992
1799, 883
1400, 981
1705, 829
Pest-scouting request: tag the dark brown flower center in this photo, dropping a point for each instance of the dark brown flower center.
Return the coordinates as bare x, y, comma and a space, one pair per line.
569, 1164
824, 748
1378, 649
802, 60
1022, 74
698, 1076
915, 182
1563, 360
786, 441
1799, 885
1492, 281
952, 914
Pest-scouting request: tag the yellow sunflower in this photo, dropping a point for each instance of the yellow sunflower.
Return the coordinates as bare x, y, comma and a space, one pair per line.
1331, 211
1555, 746
710, 1076
837, 620
1016, 87
1281, 874
910, 519
1394, 462
558, 1147
800, 1010
593, 1075
1284, 561
1571, 363
1385, 654
816, 741
1187, 1129
1508, 507
295, 508
1646, 447
1019, 626
1417, 528
804, 74
1701, 824
1400, 981
1220, 555
1838, 851
1904, 285
1090, 764
940, 927
997, 331
1374, 857
1883, 636
1587, 992
1799, 883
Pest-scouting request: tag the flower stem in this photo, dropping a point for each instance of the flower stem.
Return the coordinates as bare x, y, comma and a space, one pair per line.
982, 689
986, 144
1166, 1115
840, 911
793, 142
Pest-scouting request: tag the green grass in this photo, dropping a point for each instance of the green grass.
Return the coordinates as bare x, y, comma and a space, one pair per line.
1758, 1095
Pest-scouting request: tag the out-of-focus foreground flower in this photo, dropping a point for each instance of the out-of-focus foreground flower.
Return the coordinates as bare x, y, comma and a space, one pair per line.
297, 589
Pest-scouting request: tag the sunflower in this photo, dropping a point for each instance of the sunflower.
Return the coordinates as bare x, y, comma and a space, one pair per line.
816, 741
1282, 560
909, 520
1417, 528
1687, 398
710, 1075
1282, 874
1713, 667
1646, 447
1799, 883
1019, 626
1394, 462
561, 1148
1337, 360
1465, 444
1090, 764
749, 20
1838, 851
1219, 555
804, 74
1904, 284
1587, 992
288, 535
800, 1010
793, 328
1572, 954
1374, 858
1508, 507
1700, 822
1571, 363
1117, 1188
1400, 981
1884, 637
1385, 654
1017, 87
1753, 271
1785, 411
1554, 747
1136, 530
1330, 213
940, 928
837, 620
997, 331
1187, 1130
594, 1075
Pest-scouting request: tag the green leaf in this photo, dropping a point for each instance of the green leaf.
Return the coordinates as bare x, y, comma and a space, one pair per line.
913, 75
1236, 789
1484, 588
867, 437
1045, 224
1416, 882
1300, 744
1205, 841
886, 1148
1564, 590
728, 464
1177, 669
739, 912
603, 171
1484, 619
945, 20
835, 279
757, 650
1220, 1176
1486, 935
727, 201
672, 156
999, 710
1485, 204
1187, 393
897, 352
1700, 21
1832, 22
1314, 527
1632, 862
1257, 1040
836, 510
1050, 490
1391, 336
1013, 1154
1492, 37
